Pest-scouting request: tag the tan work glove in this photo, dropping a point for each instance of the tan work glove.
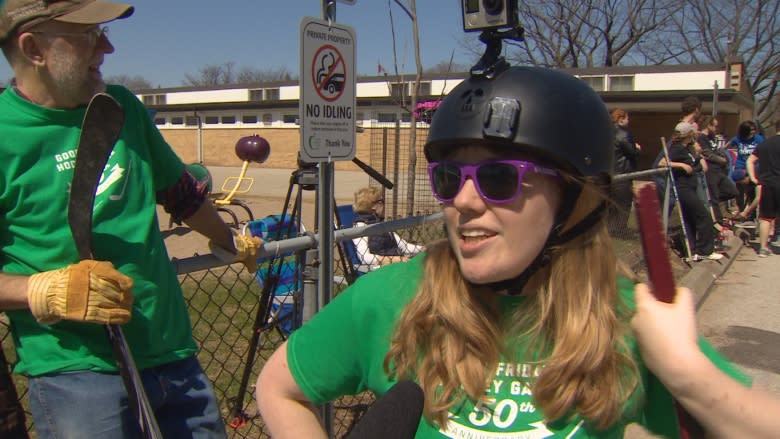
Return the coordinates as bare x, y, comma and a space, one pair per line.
90, 291
245, 250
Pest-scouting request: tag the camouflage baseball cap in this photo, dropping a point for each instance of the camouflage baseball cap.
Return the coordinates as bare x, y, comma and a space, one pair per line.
18, 15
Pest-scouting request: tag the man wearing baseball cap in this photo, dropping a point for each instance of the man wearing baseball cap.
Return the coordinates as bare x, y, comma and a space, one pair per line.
58, 304
22, 15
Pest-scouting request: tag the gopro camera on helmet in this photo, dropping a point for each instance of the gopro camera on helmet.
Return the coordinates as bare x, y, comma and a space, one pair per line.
481, 15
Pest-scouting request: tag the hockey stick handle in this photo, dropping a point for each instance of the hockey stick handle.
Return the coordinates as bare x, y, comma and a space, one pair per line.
133, 383
103, 122
673, 183
376, 175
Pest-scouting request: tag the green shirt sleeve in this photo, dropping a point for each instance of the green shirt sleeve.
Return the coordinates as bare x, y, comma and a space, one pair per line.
341, 350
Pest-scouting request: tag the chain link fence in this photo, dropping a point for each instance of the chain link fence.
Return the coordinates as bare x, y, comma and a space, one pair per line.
239, 319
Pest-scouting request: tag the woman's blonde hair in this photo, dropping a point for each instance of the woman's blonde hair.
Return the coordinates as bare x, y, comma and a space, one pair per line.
365, 198
452, 335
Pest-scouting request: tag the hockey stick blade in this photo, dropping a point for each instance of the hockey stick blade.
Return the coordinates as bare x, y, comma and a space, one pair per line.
103, 122
659, 272
654, 243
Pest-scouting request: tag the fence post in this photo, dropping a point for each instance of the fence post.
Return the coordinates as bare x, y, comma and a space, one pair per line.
396, 166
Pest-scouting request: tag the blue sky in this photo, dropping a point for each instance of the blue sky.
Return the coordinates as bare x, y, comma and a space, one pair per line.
166, 39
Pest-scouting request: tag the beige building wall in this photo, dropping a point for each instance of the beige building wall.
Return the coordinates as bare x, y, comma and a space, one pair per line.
219, 146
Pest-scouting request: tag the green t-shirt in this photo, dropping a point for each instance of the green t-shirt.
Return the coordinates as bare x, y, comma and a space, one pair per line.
342, 349
37, 151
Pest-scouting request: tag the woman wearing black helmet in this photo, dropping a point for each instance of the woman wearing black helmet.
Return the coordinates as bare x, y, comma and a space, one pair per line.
518, 323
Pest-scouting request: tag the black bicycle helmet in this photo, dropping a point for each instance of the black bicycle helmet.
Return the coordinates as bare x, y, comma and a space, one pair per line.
545, 112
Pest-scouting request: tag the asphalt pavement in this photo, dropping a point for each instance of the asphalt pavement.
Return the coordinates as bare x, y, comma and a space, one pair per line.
739, 312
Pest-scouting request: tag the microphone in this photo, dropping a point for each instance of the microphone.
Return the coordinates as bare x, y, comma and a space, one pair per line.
396, 415
384, 181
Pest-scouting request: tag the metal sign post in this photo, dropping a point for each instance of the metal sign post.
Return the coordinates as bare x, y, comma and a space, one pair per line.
327, 115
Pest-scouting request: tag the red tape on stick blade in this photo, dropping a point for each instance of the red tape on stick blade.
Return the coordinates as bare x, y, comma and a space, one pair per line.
656, 251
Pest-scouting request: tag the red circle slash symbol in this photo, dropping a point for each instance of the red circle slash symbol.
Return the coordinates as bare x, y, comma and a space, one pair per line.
328, 73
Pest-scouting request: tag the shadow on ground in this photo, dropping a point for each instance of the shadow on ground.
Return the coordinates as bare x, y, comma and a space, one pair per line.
751, 347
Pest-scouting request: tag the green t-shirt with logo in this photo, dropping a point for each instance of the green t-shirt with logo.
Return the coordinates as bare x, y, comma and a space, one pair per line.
37, 151
342, 349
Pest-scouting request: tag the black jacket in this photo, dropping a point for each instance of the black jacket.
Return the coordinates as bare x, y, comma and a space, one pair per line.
626, 151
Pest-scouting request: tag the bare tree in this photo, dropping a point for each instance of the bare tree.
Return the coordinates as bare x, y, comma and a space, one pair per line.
133, 83
728, 31
447, 67
410, 9
211, 75
225, 74
249, 75
589, 33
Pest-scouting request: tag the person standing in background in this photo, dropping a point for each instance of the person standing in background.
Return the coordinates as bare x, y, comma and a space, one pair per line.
767, 180
698, 220
721, 187
690, 107
626, 152
744, 143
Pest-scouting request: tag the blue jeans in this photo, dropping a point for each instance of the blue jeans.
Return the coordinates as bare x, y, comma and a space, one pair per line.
88, 404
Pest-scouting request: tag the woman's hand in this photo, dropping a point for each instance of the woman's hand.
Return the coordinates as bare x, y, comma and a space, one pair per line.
666, 332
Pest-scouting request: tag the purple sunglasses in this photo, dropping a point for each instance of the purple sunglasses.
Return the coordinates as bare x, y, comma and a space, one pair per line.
497, 181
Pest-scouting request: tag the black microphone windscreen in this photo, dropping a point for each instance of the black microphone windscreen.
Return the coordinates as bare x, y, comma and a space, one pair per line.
395, 415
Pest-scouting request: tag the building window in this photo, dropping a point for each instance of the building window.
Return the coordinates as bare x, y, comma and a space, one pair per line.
228, 120
399, 90
191, 121
271, 94
256, 94
406, 117
211, 120
249, 118
159, 121
268, 118
386, 117
177, 120
425, 88
154, 99
595, 82
290, 118
264, 94
621, 83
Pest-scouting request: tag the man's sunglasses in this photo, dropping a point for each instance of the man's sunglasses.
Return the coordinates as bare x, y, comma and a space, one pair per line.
497, 181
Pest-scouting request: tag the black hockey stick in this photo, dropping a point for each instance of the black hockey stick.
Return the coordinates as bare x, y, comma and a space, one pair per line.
102, 124
677, 201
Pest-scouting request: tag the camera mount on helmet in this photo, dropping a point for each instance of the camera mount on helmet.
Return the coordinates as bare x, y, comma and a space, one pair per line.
491, 61
498, 21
